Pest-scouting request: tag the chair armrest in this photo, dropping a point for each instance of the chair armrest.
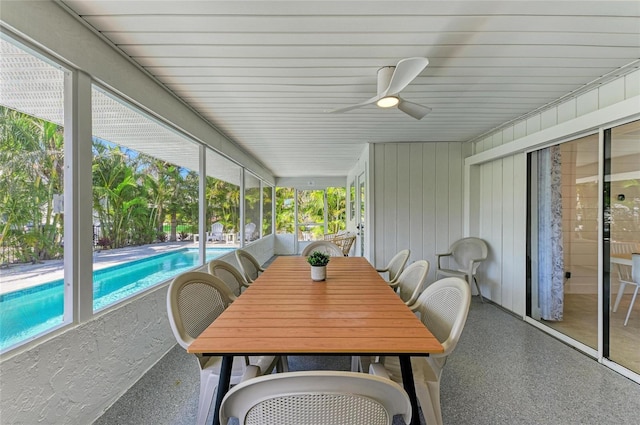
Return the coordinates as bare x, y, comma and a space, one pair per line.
414, 307
448, 254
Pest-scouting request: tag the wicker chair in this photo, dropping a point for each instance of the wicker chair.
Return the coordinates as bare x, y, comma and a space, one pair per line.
344, 240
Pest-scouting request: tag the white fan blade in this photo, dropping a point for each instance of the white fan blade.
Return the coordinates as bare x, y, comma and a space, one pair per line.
359, 105
406, 71
413, 109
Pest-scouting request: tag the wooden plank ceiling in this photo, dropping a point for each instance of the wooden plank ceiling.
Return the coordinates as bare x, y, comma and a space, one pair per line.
265, 72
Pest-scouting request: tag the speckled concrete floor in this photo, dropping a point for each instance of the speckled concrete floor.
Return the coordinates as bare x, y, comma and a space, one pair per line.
503, 371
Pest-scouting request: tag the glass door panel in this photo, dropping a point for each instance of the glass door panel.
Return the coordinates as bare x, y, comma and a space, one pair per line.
622, 208
564, 238
311, 215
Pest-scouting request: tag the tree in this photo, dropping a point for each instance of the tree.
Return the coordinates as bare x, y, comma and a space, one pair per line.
117, 197
31, 154
285, 209
223, 203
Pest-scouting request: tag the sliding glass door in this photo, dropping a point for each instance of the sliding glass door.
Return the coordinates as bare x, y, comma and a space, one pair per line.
580, 274
564, 238
622, 232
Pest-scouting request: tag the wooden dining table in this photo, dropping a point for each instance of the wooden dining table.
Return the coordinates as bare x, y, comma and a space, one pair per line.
353, 312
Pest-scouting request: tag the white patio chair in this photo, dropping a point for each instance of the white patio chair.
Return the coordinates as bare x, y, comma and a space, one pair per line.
396, 265
625, 274
409, 285
411, 282
249, 230
323, 246
249, 266
443, 308
318, 398
633, 280
229, 274
468, 254
194, 301
216, 233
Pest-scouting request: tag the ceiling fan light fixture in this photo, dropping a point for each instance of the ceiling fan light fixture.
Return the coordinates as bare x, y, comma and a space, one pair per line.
388, 102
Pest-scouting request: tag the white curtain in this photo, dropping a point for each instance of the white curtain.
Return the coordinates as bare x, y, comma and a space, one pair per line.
550, 243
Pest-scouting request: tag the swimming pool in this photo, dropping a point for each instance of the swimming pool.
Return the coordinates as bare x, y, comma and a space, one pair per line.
28, 312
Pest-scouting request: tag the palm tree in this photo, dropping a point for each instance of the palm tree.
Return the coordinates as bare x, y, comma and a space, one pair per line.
31, 158
117, 197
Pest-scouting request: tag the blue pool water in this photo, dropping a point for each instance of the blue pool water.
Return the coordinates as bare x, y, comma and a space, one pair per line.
28, 312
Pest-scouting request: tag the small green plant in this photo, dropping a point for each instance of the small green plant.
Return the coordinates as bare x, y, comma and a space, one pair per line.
318, 258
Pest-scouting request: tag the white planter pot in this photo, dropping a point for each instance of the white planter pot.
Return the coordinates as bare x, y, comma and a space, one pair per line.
318, 273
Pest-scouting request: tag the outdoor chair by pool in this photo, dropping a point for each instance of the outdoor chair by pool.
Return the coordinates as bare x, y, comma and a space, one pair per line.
249, 232
325, 247
249, 266
443, 308
318, 398
215, 235
194, 301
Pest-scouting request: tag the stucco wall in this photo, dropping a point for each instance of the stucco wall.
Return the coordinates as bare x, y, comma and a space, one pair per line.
73, 377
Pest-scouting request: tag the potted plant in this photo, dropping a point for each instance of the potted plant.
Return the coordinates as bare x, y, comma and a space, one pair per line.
318, 261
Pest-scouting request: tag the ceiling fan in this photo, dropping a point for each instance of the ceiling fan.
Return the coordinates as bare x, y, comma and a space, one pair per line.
391, 81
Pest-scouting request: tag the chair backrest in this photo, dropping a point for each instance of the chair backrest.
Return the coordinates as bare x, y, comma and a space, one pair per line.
469, 249
397, 263
249, 230
216, 228
249, 266
345, 243
344, 239
412, 281
624, 272
443, 308
623, 247
326, 247
194, 301
318, 397
635, 267
229, 274
338, 234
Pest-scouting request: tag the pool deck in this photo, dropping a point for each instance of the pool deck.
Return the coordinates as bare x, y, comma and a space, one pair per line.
21, 276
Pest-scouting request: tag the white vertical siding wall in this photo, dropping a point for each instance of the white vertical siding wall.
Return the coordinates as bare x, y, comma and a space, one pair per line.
501, 220
499, 212
417, 200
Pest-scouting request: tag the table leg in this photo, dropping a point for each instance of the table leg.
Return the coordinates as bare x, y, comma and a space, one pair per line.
223, 386
410, 388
